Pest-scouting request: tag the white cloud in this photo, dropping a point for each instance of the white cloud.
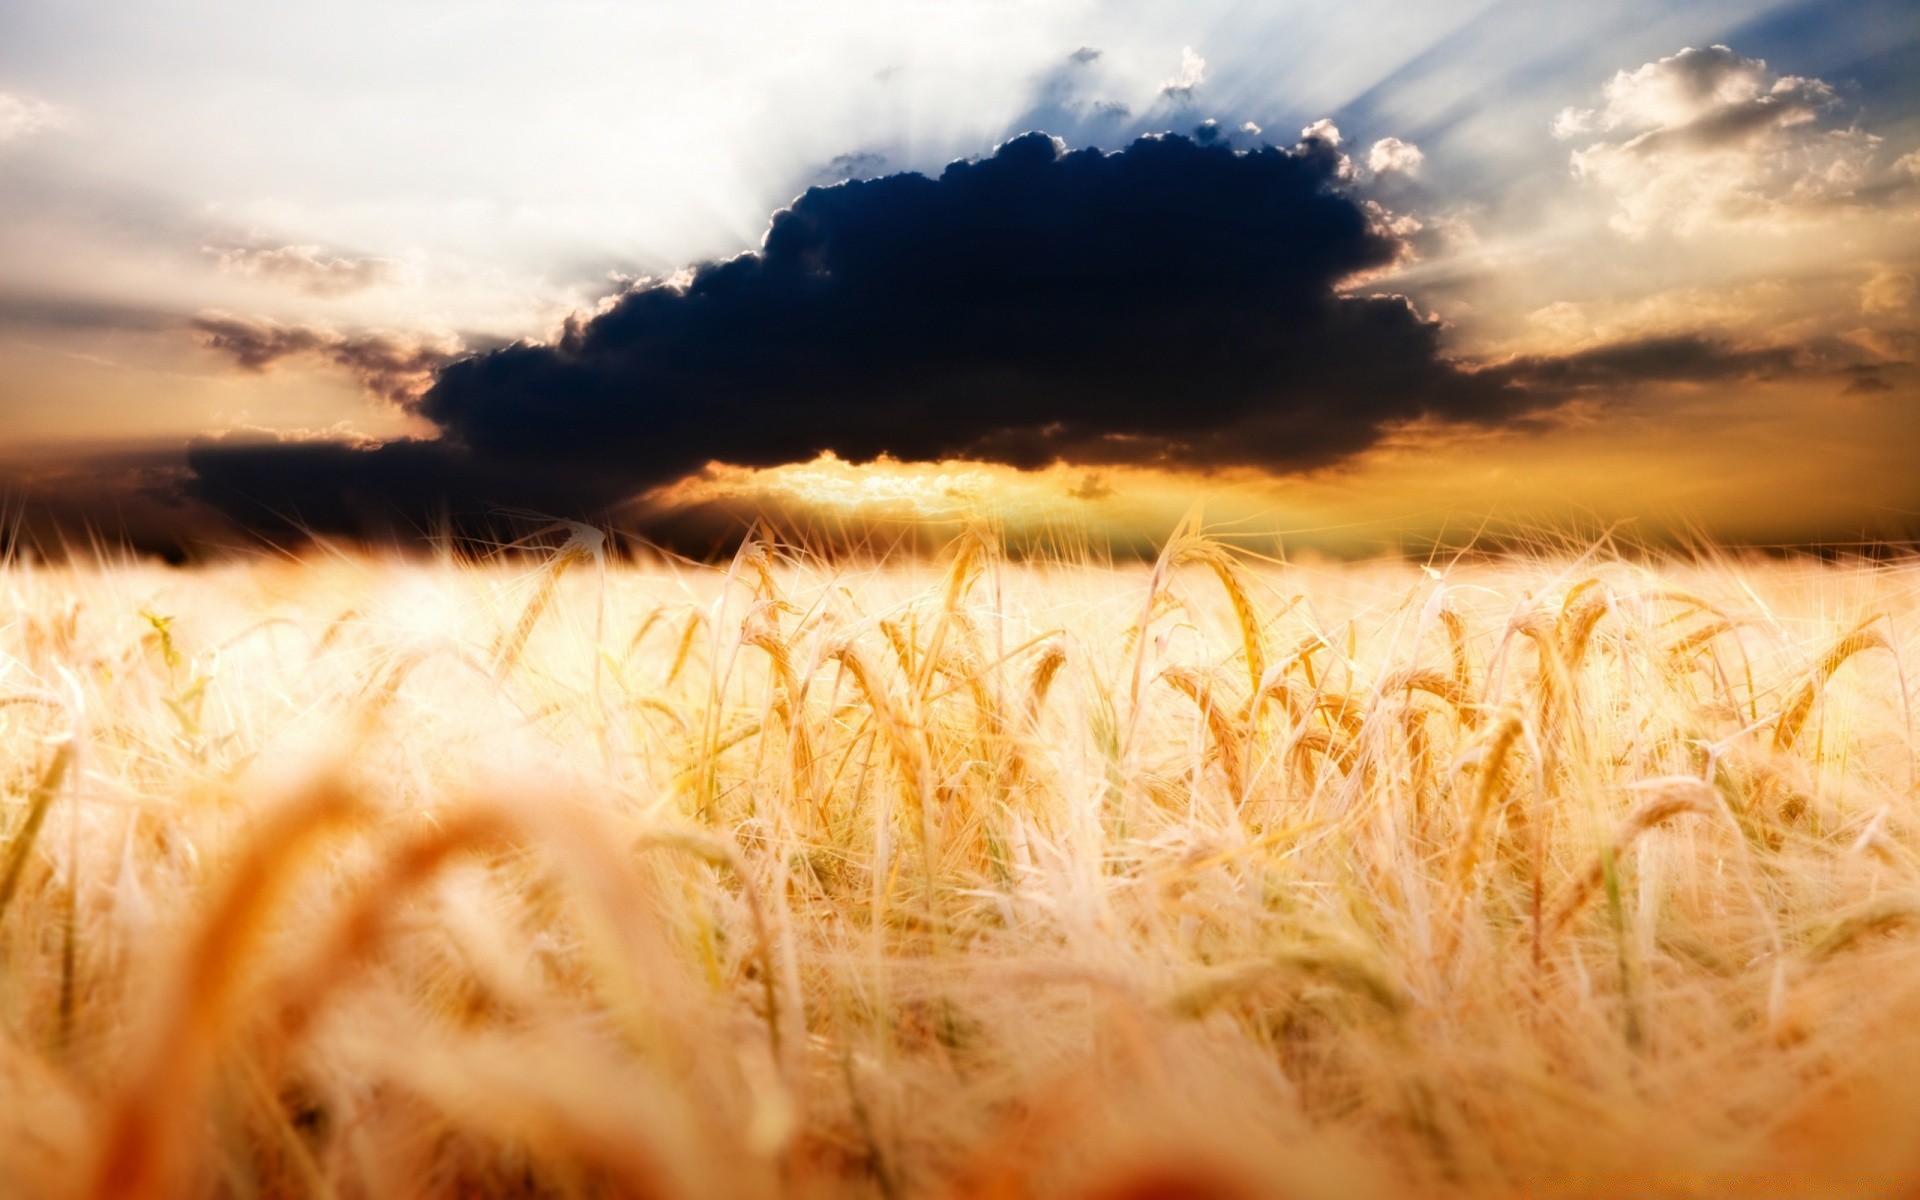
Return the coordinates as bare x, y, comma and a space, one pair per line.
1715, 84
305, 269
1571, 121
1252, 130
1192, 73
1328, 134
1390, 154
1707, 138
1323, 130
21, 117
1389, 223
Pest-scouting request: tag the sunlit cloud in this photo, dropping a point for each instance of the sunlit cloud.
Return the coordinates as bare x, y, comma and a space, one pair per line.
21, 116
1390, 155
1323, 130
1708, 137
307, 269
1192, 73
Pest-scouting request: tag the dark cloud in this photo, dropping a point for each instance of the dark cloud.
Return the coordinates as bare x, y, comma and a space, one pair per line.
1866, 380
401, 488
1679, 358
1173, 303
1084, 55
129, 497
1170, 301
393, 367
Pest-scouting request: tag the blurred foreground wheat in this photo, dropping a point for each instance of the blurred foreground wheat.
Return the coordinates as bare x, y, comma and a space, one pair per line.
1212, 877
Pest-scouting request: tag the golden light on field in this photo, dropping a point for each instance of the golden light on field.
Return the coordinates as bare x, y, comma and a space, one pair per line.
886, 488
869, 601
1127, 504
979, 877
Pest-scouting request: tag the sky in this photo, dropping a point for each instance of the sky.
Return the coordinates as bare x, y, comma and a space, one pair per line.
1349, 272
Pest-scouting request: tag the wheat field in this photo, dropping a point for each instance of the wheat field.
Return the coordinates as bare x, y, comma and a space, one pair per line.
545, 874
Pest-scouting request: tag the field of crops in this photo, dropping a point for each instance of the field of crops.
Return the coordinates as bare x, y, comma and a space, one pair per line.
343, 876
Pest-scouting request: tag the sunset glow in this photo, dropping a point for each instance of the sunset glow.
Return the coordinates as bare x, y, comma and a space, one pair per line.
1645, 262
959, 599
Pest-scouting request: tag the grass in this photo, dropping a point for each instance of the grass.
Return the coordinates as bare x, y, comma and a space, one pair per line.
342, 876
